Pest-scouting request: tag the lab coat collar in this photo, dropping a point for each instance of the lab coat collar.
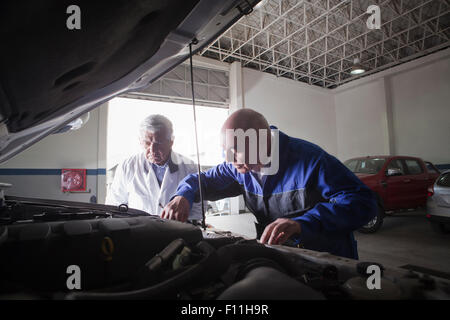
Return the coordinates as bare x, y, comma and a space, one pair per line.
173, 167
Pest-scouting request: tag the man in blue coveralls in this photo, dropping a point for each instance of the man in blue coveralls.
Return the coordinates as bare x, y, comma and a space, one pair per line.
312, 199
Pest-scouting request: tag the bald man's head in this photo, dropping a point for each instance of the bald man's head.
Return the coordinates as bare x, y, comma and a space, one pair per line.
251, 129
245, 119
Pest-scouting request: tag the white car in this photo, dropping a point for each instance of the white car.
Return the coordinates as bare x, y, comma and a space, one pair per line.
438, 203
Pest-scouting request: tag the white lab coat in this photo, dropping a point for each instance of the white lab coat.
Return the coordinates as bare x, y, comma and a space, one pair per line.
136, 185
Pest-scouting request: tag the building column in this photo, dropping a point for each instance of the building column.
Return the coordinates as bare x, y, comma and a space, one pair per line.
236, 87
237, 204
387, 121
101, 152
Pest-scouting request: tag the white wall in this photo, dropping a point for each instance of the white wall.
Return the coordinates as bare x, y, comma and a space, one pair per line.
81, 149
361, 116
403, 111
73, 149
421, 111
297, 109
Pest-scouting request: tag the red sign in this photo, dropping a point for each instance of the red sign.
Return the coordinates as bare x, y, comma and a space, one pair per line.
73, 180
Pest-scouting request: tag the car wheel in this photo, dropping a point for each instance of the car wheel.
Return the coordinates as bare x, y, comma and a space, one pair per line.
439, 227
375, 223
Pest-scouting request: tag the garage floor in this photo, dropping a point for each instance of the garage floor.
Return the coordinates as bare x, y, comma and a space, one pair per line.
404, 239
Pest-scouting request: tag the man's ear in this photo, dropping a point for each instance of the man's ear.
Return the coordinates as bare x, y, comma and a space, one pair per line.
171, 142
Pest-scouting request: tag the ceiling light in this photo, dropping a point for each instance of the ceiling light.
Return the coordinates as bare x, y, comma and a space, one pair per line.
357, 68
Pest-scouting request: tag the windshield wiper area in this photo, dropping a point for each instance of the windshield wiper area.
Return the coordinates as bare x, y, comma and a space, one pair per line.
19, 212
34, 210
57, 216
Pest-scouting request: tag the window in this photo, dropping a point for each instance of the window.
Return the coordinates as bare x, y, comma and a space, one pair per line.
352, 164
396, 164
366, 165
413, 166
444, 180
431, 168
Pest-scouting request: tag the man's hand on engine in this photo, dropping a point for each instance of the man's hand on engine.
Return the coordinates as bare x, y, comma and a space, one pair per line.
177, 209
279, 231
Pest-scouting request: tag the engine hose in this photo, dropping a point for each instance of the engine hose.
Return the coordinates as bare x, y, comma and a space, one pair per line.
196, 271
214, 264
244, 252
266, 283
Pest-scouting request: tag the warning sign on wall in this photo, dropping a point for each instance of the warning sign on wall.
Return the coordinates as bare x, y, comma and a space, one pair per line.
73, 180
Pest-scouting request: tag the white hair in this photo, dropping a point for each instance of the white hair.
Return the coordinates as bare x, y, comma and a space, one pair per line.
154, 123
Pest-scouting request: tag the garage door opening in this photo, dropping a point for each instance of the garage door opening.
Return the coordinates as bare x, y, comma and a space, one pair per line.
125, 116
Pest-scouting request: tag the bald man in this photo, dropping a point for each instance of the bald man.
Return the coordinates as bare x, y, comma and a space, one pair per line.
311, 199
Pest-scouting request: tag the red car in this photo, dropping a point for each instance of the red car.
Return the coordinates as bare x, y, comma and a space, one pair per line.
400, 182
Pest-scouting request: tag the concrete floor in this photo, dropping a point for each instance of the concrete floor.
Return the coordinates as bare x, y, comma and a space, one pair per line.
404, 239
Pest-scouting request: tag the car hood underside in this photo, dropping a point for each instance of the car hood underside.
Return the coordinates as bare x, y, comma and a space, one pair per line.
46, 66
50, 75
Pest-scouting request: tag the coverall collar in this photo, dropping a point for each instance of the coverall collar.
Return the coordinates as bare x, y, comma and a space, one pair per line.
282, 144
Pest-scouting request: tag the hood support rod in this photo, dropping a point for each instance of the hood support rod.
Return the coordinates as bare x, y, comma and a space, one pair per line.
200, 187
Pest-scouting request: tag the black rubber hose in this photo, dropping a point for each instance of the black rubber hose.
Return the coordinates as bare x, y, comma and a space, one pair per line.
243, 252
266, 283
294, 266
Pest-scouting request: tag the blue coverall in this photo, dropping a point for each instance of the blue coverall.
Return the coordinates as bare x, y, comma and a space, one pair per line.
310, 187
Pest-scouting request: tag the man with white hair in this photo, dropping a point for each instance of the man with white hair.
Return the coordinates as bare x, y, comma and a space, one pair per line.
147, 180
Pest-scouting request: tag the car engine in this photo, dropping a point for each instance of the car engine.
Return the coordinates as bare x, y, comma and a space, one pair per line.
121, 253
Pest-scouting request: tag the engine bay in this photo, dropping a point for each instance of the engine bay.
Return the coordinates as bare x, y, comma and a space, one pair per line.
121, 253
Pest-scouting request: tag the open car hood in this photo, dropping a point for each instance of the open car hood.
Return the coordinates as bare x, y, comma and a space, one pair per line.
51, 75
